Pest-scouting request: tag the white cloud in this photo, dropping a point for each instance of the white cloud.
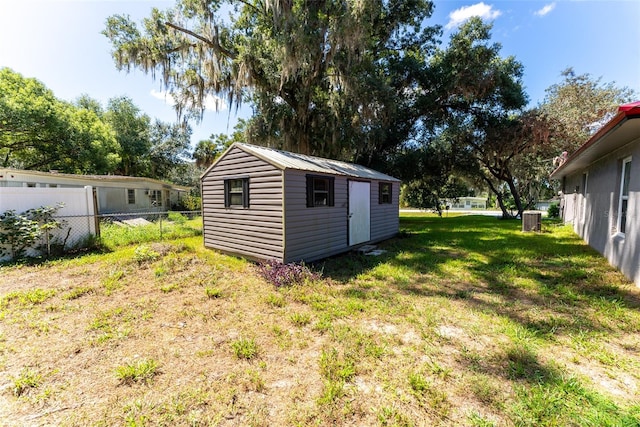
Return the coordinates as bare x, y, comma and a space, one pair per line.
211, 103
545, 10
484, 11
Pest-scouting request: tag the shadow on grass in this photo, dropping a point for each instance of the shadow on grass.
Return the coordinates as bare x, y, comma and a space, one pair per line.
473, 257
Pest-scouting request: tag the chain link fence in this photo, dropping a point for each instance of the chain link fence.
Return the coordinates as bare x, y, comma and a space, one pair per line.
69, 233
148, 226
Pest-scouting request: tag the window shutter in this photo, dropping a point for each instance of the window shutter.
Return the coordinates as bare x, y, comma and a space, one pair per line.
380, 185
227, 193
309, 192
390, 193
331, 201
245, 193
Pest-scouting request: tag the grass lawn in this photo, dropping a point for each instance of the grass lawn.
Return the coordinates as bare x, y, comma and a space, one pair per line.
464, 321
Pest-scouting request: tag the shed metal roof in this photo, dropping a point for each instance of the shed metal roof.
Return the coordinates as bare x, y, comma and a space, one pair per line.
286, 160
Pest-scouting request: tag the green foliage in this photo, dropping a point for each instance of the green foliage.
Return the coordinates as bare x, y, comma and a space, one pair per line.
212, 292
141, 371
40, 132
208, 150
300, 319
144, 254
335, 366
27, 379
565, 103
177, 217
553, 211
114, 235
189, 202
19, 232
245, 348
27, 298
322, 79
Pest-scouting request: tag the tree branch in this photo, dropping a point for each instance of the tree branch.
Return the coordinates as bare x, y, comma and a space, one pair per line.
213, 43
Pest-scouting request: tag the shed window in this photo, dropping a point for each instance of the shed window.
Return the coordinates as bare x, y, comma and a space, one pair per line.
320, 191
131, 196
384, 192
236, 192
624, 195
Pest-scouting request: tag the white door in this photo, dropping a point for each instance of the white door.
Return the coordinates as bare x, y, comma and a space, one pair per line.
359, 212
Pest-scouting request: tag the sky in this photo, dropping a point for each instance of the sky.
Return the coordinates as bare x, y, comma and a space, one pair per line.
59, 43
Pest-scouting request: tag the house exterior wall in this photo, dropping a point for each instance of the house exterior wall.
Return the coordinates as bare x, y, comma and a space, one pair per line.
594, 213
468, 203
313, 232
112, 194
254, 232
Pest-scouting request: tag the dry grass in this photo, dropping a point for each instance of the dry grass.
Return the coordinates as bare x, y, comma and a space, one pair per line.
444, 330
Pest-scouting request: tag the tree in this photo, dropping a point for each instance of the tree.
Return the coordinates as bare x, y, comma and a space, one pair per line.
31, 122
581, 104
208, 150
169, 148
502, 147
131, 128
40, 132
92, 148
429, 172
323, 76
476, 98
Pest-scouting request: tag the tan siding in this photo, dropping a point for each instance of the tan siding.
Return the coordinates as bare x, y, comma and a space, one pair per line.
254, 232
384, 217
313, 233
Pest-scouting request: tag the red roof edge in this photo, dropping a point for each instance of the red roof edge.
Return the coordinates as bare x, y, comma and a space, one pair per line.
624, 111
631, 108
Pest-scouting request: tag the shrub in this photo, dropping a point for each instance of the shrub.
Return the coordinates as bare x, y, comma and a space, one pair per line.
189, 203
553, 211
280, 274
18, 232
144, 253
177, 217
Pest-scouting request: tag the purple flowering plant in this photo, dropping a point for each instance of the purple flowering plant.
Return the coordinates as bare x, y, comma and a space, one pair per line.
280, 274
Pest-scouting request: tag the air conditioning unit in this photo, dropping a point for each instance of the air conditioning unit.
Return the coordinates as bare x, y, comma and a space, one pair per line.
532, 221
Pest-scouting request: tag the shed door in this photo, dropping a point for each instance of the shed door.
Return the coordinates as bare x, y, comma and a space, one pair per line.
359, 212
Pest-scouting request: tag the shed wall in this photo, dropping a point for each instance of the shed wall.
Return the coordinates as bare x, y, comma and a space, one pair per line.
318, 232
255, 232
385, 221
594, 214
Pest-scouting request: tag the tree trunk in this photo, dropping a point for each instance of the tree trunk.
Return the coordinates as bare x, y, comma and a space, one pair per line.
516, 196
505, 213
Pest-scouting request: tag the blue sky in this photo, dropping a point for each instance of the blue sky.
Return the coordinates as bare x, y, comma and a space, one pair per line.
59, 43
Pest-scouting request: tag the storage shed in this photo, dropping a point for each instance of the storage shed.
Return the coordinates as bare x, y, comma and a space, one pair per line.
263, 203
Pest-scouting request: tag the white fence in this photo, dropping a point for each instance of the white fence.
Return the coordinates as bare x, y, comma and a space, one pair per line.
78, 202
